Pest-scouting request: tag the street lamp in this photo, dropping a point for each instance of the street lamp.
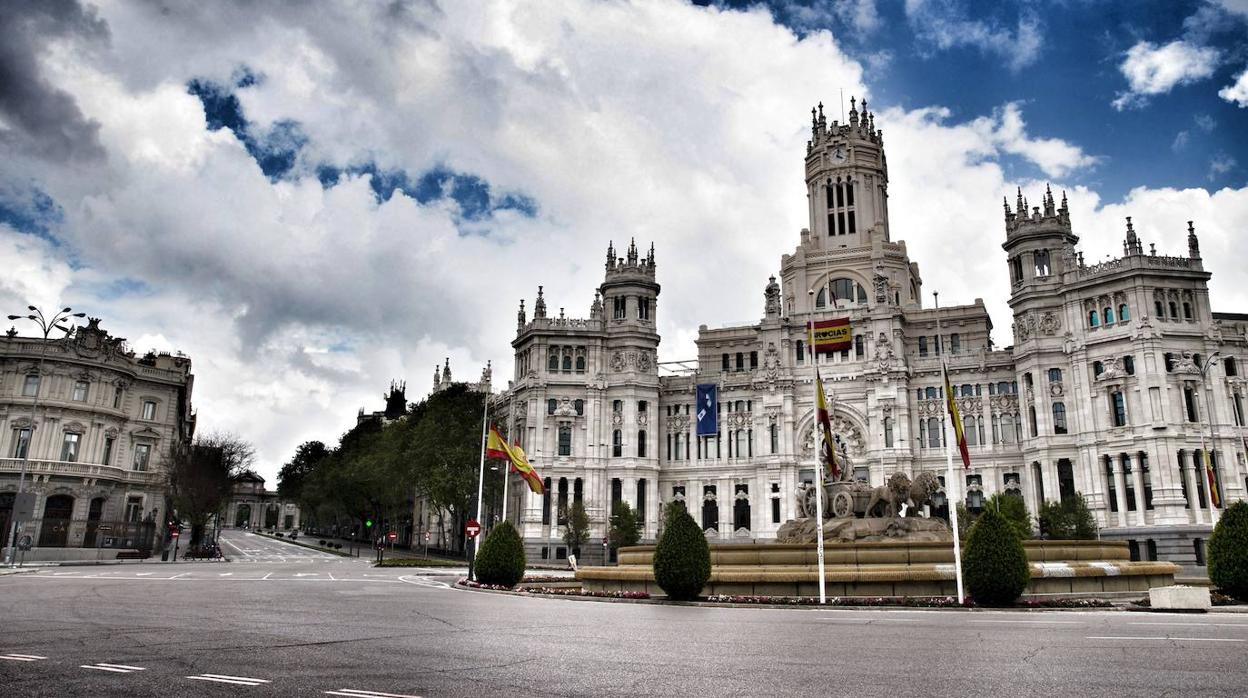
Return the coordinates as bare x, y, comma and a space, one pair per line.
46, 325
1210, 477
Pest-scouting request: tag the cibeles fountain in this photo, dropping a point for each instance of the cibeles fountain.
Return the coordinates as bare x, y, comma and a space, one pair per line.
879, 542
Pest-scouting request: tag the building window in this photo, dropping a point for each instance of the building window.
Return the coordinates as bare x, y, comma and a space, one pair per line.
617, 444
565, 440
551, 404
1093, 320
579, 406
617, 406
552, 361
775, 438
1059, 418
740, 361
1119, 404
753, 360
955, 343
31, 387
933, 432
1161, 310
860, 347
1055, 375
1189, 404
1128, 364
580, 363
149, 410
1109, 316
1031, 418
726, 362
80, 391
775, 510
1187, 311
801, 352
1097, 368
117, 393
1174, 310
21, 442
618, 308
141, 454
641, 501
134, 509
546, 503
69, 447
922, 346
567, 360
643, 308
641, 444
1232, 369
888, 432
1123, 316
108, 451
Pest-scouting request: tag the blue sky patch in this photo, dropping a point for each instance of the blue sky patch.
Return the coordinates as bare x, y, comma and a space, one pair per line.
34, 213
475, 197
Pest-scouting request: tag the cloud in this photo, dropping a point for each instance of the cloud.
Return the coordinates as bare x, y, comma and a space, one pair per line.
1205, 122
805, 16
1237, 92
1180, 141
451, 159
1153, 70
35, 116
943, 26
1220, 165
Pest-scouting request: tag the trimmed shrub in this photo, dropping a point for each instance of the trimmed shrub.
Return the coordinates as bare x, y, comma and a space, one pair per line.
1014, 509
1069, 519
994, 564
682, 558
1228, 552
501, 558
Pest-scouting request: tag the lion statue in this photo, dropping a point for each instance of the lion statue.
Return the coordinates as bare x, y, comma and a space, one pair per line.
892, 495
922, 488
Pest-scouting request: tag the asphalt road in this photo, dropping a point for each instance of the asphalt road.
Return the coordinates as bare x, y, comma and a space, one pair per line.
338, 627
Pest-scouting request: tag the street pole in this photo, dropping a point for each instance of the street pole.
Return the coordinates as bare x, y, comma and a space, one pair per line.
38, 318
485, 427
819, 464
949, 474
1211, 477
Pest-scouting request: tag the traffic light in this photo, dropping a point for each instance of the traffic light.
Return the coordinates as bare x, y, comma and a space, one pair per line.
368, 523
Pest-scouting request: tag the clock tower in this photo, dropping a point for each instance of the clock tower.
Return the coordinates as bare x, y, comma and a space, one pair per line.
846, 180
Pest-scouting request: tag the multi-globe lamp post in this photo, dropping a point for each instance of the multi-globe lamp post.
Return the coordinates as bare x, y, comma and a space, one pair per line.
46, 325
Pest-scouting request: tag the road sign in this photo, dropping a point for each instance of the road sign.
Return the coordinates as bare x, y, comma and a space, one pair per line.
472, 528
104, 529
392, 535
427, 536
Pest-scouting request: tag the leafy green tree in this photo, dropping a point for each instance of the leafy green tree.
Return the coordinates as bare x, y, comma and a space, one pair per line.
576, 527
1069, 519
1014, 509
295, 473
994, 562
625, 526
682, 558
1228, 552
501, 559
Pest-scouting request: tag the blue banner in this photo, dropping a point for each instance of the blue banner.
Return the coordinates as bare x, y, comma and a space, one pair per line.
707, 409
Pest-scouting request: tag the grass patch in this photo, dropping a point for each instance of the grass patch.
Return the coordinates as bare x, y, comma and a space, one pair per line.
419, 562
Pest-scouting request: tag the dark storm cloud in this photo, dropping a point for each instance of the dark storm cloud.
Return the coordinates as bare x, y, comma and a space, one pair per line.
39, 118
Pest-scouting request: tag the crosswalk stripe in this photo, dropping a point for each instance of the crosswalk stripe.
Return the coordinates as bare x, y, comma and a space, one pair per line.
20, 658
236, 678
97, 667
122, 666
368, 694
229, 681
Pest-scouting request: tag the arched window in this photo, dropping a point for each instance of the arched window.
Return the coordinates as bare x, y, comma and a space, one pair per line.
1009, 429
552, 363
641, 444
1119, 408
968, 428
617, 444
801, 352
1055, 375
567, 361
1174, 310
580, 363
565, 440
1123, 316
821, 298
1161, 310
1187, 311
1059, 418
1109, 316
848, 290
1093, 320
933, 432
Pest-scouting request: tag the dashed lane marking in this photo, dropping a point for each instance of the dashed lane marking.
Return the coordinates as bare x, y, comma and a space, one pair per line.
116, 668
368, 694
1201, 625
1185, 639
21, 657
236, 680
1038, 622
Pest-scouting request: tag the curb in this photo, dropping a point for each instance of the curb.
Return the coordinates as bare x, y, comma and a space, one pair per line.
317, 548
17, 570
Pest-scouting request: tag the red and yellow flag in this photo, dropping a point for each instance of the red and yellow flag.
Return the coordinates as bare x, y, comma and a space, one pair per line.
497, 447
1214, 496
828, 448
956, 419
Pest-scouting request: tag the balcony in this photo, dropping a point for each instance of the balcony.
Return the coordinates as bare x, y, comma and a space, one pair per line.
77, 470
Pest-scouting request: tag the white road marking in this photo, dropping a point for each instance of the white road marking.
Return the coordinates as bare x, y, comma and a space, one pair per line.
22, 657
1188, 639
306, 574
116, 668
179, 576
62, 574
236, 680
368, 694
1201, 625
225, 574
1044, 622
143, 574
268, 575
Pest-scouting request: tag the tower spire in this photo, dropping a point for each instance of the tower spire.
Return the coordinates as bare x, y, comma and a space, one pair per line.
539, 308
1193, 244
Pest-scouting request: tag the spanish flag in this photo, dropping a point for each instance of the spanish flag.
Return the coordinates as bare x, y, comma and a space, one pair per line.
496, 447
1214, 496
956, 419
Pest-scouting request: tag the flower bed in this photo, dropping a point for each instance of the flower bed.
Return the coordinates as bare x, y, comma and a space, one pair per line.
902, 601
557, 591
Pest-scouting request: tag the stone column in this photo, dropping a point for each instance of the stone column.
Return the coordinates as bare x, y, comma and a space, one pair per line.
1193, 495
1120, 486
1138, 478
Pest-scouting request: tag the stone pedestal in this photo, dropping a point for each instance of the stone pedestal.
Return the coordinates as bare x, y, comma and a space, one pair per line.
1179, 598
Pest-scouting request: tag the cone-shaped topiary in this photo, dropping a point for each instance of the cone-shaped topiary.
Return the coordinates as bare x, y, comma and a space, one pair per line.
994, 563
501, 558
682, 559
1228, 552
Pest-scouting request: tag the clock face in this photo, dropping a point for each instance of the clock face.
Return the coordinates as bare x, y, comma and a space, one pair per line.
838, 155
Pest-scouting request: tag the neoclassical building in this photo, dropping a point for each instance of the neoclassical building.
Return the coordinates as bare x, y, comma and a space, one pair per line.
252, 506
1101, 392
104, 426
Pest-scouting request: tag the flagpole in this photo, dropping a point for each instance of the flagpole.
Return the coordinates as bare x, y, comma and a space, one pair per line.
810, 343
511, 429
949, 479
485, 430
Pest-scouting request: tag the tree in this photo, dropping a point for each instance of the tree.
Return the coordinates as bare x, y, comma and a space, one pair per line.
625, 527
294, 475
576, 530
994, 562
201, 476
1228, 552
1069, 519
501, 559
682, 558
1014, 509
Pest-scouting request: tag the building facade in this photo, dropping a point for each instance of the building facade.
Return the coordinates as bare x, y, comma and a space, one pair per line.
1102, 392
102, 432
254, 507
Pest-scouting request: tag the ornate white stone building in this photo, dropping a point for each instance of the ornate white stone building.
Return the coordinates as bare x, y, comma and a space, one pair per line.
105, 424
1100, 393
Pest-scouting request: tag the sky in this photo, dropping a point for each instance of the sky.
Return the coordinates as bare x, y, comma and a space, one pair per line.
313, 199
